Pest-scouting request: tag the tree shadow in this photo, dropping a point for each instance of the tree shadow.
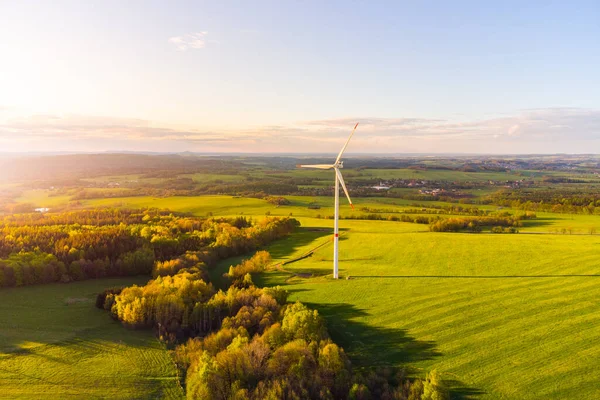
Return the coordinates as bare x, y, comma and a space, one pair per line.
286, 247
371, 346
459, 391
539, 222
17, 351
282, 250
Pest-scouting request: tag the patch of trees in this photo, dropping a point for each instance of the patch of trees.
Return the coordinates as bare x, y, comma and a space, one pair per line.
249, 343
475, 224
554, 179
110, 292
450, 209
196, 261
52, 247
240, 275
440, 224
278, 200
500, 229
417, 219
30, 268
96, 217
434, 209
559, 200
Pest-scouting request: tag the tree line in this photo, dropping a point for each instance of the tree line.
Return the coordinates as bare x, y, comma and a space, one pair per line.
250, 343
557, 200
436, 223
95, 244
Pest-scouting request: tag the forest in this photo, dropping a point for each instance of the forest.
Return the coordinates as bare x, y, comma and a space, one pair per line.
43, 248
247, 342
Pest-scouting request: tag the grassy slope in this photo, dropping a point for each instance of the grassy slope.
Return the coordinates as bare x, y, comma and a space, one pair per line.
52, 349
503, 316
507, 316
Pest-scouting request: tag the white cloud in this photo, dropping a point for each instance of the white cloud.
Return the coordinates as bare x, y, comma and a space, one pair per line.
530, 131
194, 40
513, 130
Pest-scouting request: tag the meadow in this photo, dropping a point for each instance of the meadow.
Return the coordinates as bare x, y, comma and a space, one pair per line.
54, 343
500, 316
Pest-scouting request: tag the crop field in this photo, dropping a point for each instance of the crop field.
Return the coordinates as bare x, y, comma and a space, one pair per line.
54, 343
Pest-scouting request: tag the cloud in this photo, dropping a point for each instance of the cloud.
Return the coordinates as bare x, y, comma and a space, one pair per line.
80, 128
195, 40
571, 123
529, 131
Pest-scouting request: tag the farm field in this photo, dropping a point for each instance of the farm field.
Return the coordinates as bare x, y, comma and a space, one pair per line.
54, 343
42, 198
502, 316
230, 206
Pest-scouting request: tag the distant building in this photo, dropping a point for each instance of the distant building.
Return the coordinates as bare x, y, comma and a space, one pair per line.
381, 186
42, 209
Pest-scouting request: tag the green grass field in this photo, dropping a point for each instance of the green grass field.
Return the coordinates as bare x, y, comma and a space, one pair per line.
231, 206
42, 198
501, 316
54, 343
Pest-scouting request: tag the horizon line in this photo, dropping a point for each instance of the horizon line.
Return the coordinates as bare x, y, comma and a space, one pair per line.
273, 154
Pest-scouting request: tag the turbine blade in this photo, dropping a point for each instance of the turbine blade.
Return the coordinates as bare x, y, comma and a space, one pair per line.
346, 145
317, 166
341, 179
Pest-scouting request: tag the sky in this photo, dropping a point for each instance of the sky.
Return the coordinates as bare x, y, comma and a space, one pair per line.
290, 76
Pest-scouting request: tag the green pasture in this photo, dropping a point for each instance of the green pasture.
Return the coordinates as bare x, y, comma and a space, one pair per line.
502, 316
43, 198
547, 223
54, 343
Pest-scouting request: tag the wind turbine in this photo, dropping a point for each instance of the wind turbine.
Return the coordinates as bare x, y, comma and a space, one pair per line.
336, 166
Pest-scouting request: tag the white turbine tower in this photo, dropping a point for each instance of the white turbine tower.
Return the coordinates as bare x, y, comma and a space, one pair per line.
338, 180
